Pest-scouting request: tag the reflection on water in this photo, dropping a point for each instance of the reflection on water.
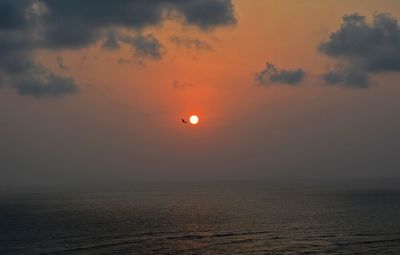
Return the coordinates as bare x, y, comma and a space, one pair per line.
220, 219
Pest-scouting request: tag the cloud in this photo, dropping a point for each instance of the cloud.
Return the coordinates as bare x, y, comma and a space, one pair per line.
19, 22
207, 14
111, 41
272, 75
51, 85
12, 13
76, 23
28, 25
144, 46
147, 46
190, 43
347, 76
362, 49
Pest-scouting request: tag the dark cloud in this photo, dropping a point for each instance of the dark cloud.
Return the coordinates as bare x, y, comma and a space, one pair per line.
272, 75
207, 14
362, 49
190, 43
12, 13
144, 46
26, 25
347, 76
147, 46
19, 23
52, 85
111, 41
76, 23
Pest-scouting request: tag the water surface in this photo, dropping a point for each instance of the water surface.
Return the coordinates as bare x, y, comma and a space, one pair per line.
251, 218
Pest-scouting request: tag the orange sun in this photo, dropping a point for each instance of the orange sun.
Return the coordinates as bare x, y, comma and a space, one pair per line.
194, 119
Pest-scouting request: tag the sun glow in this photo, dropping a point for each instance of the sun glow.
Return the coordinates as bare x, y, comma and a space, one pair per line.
194, 119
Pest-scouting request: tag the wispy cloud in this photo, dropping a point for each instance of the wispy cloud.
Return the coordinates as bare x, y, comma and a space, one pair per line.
190, 43
181, 85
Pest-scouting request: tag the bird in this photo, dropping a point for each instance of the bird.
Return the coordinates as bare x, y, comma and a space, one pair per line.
184, 121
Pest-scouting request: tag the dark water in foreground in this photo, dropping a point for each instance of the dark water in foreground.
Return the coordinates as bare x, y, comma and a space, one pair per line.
219, 219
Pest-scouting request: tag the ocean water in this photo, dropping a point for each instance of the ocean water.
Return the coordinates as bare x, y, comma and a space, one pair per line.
202, 219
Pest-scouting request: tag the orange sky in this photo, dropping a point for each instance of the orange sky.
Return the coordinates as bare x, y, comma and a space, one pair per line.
285, 33
135, 110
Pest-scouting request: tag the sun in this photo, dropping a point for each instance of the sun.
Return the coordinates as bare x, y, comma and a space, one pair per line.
194, 119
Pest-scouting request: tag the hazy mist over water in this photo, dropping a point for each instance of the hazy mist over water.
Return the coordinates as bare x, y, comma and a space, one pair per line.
204, 218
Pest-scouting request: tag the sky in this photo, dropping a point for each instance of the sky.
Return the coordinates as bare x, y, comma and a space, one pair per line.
94, 91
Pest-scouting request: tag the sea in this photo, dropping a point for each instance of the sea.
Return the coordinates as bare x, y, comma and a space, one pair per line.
202, 218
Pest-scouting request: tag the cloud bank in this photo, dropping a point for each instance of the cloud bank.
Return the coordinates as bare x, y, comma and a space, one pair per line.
28, 25
19, 25
362, 49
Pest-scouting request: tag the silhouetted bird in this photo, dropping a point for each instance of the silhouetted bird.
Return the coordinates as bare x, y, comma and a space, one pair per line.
184, 121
